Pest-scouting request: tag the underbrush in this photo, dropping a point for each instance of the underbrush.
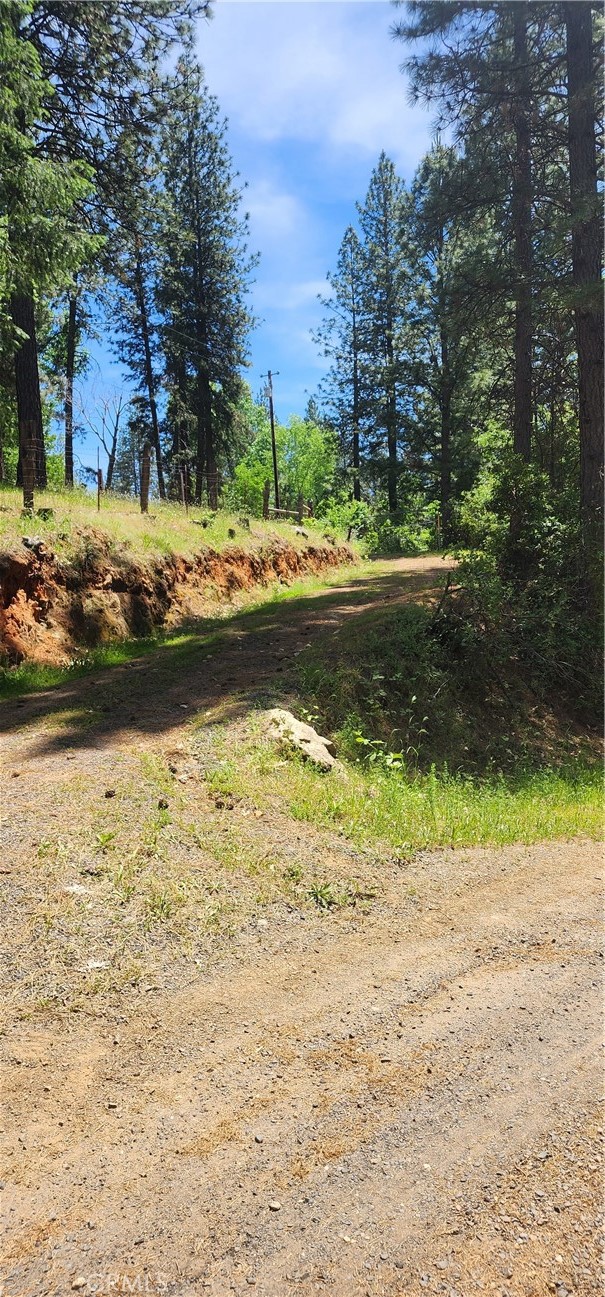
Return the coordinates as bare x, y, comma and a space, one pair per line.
380, 533
414, 687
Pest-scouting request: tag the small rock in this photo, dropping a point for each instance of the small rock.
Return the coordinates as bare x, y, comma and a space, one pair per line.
162, 804
112, 1104
80, 1282
110, 792
287, 730
275, 1206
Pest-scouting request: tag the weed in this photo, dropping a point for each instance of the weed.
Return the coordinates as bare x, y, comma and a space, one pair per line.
104, 840
293, 874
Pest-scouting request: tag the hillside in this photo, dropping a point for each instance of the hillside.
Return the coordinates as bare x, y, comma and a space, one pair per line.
73, 580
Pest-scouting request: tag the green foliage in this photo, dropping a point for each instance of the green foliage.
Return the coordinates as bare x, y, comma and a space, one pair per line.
306, 461
380, 533
523, 592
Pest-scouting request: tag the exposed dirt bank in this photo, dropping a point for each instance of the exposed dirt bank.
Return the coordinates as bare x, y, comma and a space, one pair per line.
51, 608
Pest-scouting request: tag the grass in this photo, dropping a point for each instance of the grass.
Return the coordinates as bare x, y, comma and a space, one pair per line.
165, 530
404, 812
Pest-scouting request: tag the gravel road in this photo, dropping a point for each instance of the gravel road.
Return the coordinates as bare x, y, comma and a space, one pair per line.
404, 1104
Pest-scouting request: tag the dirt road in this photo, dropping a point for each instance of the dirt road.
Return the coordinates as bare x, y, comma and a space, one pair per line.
402, 1101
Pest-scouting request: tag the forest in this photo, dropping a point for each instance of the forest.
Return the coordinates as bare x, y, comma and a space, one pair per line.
462, 325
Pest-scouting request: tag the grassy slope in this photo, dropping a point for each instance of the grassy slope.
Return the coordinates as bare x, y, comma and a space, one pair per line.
166, 529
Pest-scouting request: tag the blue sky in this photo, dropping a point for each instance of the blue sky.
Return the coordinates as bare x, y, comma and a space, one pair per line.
312, 91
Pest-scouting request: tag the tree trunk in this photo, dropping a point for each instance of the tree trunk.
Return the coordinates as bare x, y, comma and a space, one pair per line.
391, 421
356, 463
27, 386
145, 474
111, 459
587, 265
211, 470
521, 210
204, 432
69, 388
445, 413
149, 379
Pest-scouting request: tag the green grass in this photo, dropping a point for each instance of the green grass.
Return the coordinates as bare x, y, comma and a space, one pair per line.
410, 812
32, 677
165, 530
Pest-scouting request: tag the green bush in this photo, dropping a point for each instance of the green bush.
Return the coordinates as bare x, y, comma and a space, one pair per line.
381, 534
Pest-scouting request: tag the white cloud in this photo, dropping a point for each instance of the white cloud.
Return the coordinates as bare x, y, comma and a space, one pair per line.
274, 294
313, 71
274, 214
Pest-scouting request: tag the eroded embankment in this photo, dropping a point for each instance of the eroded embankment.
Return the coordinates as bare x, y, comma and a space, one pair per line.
51, 608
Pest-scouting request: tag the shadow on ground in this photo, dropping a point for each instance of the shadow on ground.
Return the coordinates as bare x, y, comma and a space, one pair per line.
223, 666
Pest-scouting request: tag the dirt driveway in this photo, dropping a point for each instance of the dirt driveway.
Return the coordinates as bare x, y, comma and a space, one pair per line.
402, 1101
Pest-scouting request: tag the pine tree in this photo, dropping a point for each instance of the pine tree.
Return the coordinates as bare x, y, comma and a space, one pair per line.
341, 337
41, 244
131, 261
204, 268
446, 334
381, 220
587, 260
73, 71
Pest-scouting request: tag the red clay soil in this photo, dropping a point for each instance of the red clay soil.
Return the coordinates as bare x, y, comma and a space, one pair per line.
50, 609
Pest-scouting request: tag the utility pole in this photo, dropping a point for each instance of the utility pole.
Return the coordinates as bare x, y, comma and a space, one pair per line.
273, 446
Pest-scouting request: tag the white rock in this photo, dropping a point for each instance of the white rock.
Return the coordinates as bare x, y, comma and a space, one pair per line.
285, 728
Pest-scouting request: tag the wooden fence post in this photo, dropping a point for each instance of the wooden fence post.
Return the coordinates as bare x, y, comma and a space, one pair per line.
310, 508
145, 472
301, 508
99, 488
266, 499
